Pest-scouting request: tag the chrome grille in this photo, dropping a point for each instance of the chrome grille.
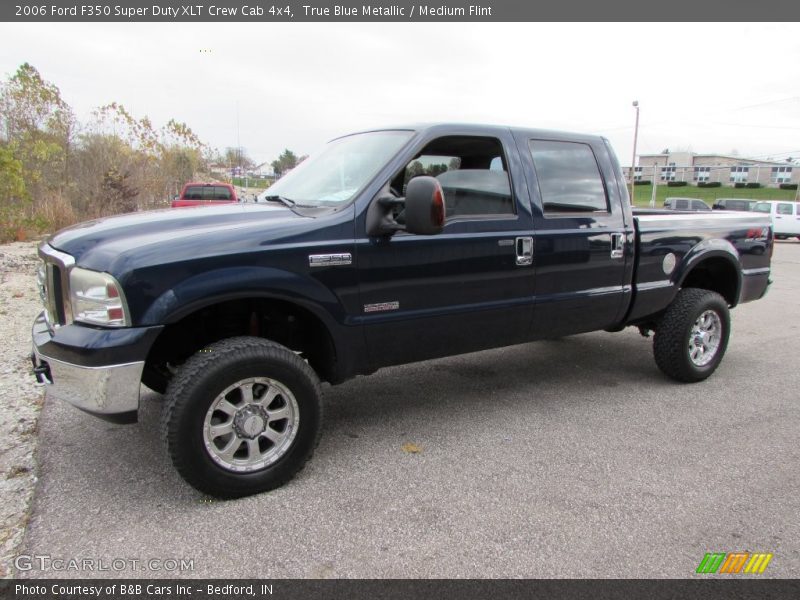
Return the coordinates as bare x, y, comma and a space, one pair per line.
44, 280
52, 278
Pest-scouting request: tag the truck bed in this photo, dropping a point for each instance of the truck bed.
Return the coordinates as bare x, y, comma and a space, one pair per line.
730, 236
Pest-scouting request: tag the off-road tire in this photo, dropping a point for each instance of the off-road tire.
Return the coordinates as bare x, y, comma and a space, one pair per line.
674, 330
196, 386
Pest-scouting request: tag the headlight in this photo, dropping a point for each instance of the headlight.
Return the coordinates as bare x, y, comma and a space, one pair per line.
97, 298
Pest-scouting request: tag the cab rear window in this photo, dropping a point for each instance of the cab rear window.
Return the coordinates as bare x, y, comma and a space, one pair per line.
207, 192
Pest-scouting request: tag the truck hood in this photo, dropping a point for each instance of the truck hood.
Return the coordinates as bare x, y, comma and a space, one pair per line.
96, 244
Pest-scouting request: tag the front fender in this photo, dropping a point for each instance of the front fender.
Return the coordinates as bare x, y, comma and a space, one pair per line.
219, 285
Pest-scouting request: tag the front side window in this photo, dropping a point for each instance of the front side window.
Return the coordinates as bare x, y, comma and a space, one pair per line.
333, 176
472, 172
784, 208
569, 178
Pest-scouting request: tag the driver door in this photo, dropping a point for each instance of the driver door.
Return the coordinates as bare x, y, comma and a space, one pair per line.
469, 287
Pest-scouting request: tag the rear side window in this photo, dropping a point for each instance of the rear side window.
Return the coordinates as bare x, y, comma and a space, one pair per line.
784, 208
569, 178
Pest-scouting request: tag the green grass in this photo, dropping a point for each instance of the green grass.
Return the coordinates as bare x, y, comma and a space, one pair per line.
642, 194
252, 182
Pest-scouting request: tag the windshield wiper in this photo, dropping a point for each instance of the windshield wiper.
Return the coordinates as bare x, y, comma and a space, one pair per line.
288, 202
282, 199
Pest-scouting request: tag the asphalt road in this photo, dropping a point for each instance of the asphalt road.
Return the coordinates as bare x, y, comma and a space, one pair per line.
570, 458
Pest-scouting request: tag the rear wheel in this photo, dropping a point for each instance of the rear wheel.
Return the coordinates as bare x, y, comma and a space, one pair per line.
692, 336
242, 416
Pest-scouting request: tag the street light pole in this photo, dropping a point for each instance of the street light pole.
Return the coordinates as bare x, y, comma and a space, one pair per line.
635, 140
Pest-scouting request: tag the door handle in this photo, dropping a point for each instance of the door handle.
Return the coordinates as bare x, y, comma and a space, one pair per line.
617, 245
524, 246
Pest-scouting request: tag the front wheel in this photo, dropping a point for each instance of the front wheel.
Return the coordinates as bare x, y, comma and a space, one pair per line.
692, 336
241, 416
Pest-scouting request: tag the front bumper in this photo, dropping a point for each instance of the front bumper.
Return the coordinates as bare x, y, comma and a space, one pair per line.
109, 391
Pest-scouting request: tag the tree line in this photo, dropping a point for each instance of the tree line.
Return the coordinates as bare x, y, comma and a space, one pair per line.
56, 171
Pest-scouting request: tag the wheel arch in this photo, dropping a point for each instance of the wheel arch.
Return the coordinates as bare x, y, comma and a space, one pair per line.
712, 265
296, 312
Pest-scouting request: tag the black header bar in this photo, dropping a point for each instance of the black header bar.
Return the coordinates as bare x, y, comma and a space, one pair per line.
396, 10
400, 589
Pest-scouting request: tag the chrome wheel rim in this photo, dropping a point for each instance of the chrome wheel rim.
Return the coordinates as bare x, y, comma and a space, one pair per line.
705, 338
251, 424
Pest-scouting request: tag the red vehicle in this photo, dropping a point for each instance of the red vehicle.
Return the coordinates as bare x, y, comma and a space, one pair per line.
199, 194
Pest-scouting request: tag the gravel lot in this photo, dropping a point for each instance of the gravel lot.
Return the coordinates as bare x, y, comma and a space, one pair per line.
571, 458
20, 398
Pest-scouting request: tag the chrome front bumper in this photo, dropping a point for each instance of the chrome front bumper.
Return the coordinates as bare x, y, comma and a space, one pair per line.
110, 392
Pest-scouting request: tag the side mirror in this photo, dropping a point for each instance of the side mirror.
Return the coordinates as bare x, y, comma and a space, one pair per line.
425, 210
422, 210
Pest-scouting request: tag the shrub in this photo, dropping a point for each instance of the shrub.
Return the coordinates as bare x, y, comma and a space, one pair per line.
739, 184
677, 183
753, 185
788, 186
642, 182
709, 184
55, 213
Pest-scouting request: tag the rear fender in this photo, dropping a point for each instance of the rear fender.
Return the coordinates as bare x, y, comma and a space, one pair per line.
705, 250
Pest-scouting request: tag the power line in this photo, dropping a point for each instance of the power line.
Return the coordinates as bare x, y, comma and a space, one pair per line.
672, 120
767, 103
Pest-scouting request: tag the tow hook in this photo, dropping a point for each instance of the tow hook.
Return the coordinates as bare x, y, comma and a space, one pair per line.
41, 371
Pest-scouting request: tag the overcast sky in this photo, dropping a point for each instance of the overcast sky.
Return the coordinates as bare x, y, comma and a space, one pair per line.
705, 87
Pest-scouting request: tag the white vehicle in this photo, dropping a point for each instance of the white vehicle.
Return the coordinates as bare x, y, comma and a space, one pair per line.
785, 217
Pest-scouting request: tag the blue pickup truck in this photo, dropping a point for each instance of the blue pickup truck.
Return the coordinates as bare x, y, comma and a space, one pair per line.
386, 247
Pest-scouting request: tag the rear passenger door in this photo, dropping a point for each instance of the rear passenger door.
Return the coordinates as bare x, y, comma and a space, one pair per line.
583, 243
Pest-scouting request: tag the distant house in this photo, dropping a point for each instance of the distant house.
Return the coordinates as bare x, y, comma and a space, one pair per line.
218, 169
263, 170
704, 168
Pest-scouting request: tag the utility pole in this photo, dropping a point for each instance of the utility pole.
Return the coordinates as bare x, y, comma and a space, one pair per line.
238, 144
635, 140
655, 184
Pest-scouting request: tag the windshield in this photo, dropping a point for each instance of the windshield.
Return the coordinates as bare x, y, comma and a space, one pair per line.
762, 207
333, 176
